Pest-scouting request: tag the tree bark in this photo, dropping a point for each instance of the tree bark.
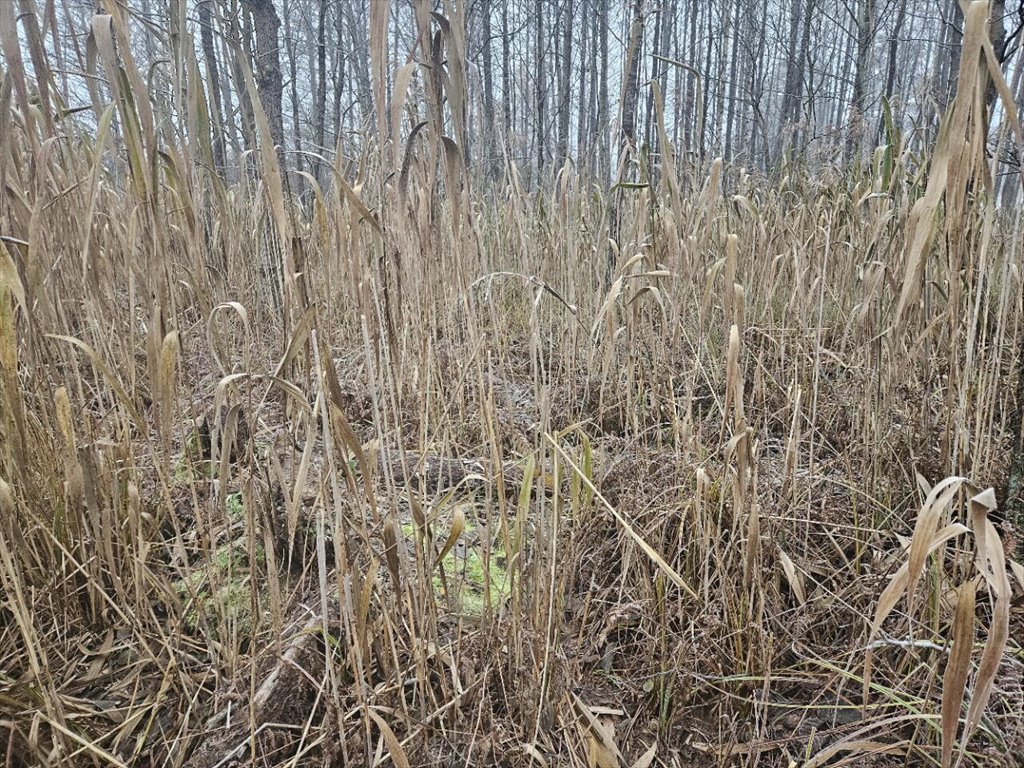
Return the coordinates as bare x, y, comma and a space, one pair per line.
632, 74
648, 124
488, 67
722, 76
565, 84
858, 104
540, 106
236, 33
213, 78
757, 78
506, 69
733, 63
339, 72
948, 55
798, 83
690, 120
890, 67
997, 34
794, 66
586, 68
705, 111
320, 104
359, 45
269, 82
601, 125
289, 36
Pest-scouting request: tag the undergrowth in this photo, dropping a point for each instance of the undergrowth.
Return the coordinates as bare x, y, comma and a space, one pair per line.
727, 451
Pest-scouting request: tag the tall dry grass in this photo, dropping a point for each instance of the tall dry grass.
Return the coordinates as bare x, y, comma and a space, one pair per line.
729, 504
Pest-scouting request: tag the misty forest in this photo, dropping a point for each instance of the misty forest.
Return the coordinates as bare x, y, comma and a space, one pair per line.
520, 383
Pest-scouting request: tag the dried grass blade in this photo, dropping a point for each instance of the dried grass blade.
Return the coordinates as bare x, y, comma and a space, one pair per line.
922, 540
795, 579
991, 561
398, 96
458, 526
394, 745
954, 679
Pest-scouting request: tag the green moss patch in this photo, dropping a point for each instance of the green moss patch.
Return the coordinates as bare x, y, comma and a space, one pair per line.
220, 592
464, 572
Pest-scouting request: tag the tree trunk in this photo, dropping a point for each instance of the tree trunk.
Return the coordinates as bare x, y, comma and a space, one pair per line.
722, 76
565, 86
601, 126
339, 73
235, 32
213, 77
794, 65
147, 36
539, 86
858, 104
294, 92
997, 34
655, 44
631, 85
668, 34
890, 68
706, 106
734, 61
690, 118
359, 45
948, 55
798, 83
269, 83
837, 99
320, 105
488, 66
506, 70
757, 78
586, 68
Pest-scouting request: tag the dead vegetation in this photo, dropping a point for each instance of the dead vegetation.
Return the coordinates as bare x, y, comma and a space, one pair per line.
728, 506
